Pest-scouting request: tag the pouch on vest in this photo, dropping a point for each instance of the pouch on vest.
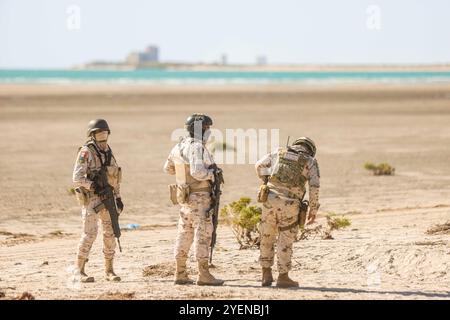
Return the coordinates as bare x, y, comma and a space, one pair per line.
183, 193
173, 193
114, 175
263, 192
302, 213
82, 196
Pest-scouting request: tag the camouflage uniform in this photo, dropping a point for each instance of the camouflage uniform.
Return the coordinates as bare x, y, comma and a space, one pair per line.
189, 161
88, 162
280, 211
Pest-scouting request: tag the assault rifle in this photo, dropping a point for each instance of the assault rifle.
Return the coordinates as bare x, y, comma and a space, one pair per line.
214, 209
106, 194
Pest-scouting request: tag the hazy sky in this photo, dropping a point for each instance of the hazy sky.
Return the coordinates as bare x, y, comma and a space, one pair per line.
44, 34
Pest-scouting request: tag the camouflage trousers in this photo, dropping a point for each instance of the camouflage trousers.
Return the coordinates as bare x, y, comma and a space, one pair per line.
278, 212
194, 227
90, 230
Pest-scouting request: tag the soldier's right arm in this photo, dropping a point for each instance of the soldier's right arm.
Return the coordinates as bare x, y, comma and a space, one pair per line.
263, 166
79, 177
169, 166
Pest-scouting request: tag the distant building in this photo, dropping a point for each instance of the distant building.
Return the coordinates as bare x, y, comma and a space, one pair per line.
224, 59
149, 55
261, 60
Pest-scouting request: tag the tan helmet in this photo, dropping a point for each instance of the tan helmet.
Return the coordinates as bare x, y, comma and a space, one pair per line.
96, 125
308, 143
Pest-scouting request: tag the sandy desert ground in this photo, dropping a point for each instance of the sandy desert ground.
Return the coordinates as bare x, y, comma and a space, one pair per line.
385, 254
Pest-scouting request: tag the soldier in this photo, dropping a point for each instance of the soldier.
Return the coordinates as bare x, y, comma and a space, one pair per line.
92, 156
193, 166
286, 173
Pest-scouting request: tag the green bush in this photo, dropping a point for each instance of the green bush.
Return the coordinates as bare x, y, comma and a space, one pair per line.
336, 223
244, 220
381, 169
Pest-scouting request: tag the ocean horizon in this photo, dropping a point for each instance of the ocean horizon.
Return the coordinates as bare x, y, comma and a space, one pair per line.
222, 77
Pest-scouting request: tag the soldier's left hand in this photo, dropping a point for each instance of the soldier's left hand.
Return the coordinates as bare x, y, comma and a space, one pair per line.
119, 204
311, 218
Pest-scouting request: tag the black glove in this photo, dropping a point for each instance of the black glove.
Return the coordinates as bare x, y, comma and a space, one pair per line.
95, 187
213, 167
119, 204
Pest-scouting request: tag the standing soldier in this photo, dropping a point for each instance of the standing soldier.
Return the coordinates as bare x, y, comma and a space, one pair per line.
286, 173
193, 166
94, 155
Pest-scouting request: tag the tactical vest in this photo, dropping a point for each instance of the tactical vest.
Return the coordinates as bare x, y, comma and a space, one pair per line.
288, 170
183, 176
114, 172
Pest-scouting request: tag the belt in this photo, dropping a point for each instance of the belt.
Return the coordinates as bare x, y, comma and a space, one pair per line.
204, 189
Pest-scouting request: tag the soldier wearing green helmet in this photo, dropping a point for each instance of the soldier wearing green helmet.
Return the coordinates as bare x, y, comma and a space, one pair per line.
92, 156
285, 174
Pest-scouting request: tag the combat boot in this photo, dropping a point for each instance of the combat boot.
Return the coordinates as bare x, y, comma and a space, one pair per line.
110, 275
181, 275
267, 277
204, 277
81, 262
284, 281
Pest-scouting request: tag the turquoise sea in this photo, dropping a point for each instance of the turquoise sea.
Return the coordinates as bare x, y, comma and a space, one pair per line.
215, 77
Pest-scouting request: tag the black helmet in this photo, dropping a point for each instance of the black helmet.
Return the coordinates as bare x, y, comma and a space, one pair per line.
199, 119
96, 125
307, 143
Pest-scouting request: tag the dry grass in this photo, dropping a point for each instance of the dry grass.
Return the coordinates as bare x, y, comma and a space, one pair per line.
439, 229
163, 270
430, 243
117, 296
13, 239
25, 296
324, 232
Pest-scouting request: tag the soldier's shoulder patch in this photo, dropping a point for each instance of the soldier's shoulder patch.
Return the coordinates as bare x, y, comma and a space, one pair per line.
84, 156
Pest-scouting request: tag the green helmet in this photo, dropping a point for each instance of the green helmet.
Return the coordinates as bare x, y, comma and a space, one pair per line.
197, 118
97, 125
308, 143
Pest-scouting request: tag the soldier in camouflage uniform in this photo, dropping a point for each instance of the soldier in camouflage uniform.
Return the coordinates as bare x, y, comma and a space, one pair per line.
92, 156
193, 166
287, 170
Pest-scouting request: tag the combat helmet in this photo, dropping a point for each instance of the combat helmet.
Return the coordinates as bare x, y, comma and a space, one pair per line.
97, 125
197, 118
307, 143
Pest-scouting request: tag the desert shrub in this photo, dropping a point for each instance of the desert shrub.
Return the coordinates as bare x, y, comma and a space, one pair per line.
324, 232
381, 169
244, 220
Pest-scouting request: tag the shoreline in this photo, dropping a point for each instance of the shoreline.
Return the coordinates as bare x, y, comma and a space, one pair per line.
149, 89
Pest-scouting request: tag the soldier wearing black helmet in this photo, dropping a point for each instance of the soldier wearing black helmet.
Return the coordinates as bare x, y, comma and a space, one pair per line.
286, 172
94, 154
193, 166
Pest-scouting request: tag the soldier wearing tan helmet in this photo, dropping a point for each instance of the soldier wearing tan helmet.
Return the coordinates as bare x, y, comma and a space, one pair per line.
286, 172
193, 166
94, 154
